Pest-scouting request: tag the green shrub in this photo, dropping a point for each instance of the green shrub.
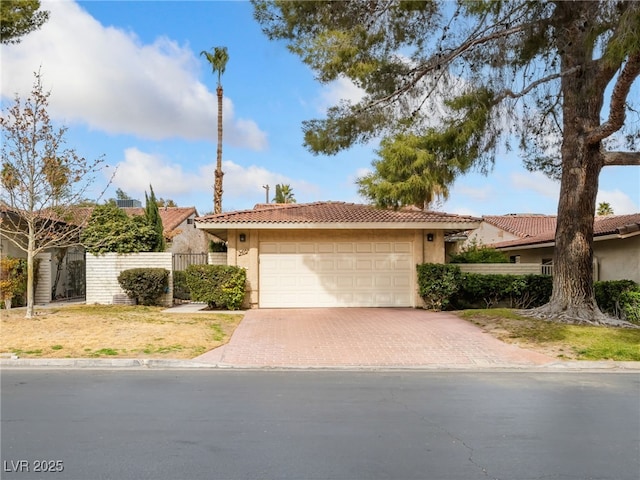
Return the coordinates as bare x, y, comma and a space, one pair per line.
180, 287
437, 283
146, 285
630, 306
608, 294
220, 286
478, 253
217, 246
493, 290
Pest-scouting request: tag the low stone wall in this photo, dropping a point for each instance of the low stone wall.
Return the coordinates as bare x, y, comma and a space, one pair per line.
103, 270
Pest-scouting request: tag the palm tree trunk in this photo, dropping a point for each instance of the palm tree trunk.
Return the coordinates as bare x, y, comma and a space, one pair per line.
217, 187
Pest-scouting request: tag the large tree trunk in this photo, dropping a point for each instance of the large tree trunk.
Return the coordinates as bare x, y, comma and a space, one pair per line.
217, 187
573, 298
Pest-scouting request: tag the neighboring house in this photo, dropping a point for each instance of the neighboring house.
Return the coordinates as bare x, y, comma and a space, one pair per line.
531, 239
61, 271
179, 229
333, 254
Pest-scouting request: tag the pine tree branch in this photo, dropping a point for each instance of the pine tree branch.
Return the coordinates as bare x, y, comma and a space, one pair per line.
621, 158
617, 109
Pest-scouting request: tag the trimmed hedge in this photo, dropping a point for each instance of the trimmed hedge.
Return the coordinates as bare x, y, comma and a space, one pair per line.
608, 294
220, 286
492, 290
630, 306
146, 285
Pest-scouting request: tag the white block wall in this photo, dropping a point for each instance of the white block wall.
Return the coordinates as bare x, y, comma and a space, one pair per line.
103, 271
501, 268
217, 258
42, 295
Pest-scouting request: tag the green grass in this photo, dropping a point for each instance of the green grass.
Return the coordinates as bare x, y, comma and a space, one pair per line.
104, 351
584, 342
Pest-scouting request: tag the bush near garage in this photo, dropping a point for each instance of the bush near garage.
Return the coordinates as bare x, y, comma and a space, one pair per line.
445, 287
438, 283
146, 285
492, 290
220, 286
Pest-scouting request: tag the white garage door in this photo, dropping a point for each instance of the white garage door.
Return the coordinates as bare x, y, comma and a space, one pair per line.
336, 274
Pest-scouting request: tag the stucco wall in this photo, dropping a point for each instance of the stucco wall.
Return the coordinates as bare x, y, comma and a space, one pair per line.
103, 271
617, 258
245, 254
190, 239
487, 234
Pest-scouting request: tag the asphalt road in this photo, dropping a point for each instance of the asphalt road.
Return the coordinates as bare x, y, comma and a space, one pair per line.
181, 424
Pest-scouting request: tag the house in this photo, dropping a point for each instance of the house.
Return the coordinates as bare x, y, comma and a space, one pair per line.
531, 239
179, 229
330, 254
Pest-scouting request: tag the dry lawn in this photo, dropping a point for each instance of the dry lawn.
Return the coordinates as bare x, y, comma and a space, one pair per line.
91, 331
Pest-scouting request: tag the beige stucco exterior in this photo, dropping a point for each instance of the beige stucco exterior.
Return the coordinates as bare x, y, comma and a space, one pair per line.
246, 253
188, 238
616, 258
487, 234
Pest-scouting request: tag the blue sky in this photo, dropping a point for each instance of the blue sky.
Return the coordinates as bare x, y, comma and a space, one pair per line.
128, 81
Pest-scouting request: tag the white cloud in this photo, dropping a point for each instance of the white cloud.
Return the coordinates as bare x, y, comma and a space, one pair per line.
474, 193
337, 91
109, 80
620, 202
139, 169
536, 182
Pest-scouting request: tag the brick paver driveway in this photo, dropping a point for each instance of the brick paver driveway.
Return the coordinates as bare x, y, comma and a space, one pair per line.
364, 337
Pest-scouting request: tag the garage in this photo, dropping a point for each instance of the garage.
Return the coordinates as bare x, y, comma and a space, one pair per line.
328, 274
332, 254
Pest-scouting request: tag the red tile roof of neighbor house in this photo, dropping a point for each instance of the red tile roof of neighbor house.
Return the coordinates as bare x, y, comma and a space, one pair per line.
602, 225
523, 225
331, 212
171, 217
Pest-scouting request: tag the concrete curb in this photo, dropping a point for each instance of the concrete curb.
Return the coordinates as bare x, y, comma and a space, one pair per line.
164, 364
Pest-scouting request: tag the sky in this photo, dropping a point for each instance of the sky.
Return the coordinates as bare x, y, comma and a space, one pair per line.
128, 81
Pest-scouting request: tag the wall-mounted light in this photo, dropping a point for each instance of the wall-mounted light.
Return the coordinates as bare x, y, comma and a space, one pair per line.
243, 237
429, 237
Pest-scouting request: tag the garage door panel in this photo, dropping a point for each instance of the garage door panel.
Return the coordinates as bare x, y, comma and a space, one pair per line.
364, 264
346, 274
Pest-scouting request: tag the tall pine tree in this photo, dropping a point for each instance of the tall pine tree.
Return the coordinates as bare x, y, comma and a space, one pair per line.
152, 214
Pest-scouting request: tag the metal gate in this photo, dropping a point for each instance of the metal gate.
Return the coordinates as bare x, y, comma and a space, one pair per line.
180, 263
182, 260
68, 275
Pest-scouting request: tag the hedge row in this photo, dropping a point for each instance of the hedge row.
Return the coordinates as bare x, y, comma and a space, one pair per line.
445, 287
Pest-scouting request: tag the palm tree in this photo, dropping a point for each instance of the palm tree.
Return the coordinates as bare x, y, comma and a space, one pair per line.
604, 209
218, 60
284, 194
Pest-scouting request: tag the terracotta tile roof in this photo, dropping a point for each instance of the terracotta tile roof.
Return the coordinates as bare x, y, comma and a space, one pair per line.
171, 217
606, 225
523, 225
331, 212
